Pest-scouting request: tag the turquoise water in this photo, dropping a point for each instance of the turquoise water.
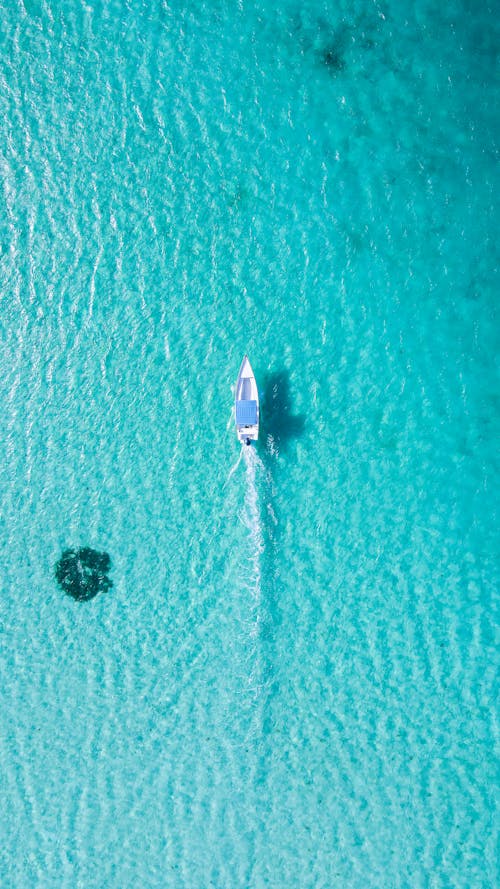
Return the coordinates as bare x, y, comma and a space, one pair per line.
291, 682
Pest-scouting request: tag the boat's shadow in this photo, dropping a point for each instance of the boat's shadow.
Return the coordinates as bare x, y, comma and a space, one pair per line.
281, 426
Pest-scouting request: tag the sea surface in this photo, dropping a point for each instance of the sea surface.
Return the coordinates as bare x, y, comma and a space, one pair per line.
291, 683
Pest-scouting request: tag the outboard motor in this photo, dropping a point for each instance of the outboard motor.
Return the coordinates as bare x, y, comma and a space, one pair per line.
247, 441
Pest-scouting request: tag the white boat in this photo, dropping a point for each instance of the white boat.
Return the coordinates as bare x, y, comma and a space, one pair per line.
247, 404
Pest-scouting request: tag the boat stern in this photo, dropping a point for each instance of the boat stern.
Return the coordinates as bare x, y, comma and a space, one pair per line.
247, 434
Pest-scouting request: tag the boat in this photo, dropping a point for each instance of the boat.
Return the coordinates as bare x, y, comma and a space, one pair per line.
247, 404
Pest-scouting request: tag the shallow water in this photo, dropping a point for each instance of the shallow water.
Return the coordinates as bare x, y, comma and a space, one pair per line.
291, 681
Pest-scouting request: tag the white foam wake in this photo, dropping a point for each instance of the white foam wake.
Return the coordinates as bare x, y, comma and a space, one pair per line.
249, 574
251, 517
234, 468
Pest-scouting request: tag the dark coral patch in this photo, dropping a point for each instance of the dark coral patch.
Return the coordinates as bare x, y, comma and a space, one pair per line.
83, 573
332, 58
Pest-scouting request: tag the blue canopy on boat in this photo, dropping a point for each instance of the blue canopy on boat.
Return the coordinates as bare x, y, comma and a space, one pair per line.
246, 413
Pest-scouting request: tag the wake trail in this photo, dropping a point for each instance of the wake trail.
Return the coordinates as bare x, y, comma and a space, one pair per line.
252, 520
249, 574
234, 468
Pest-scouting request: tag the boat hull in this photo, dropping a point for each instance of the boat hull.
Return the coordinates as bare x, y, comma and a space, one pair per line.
247, 404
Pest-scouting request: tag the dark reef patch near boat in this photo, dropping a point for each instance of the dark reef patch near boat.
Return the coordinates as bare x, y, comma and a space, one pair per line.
335, 46
83, 573
331, 56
